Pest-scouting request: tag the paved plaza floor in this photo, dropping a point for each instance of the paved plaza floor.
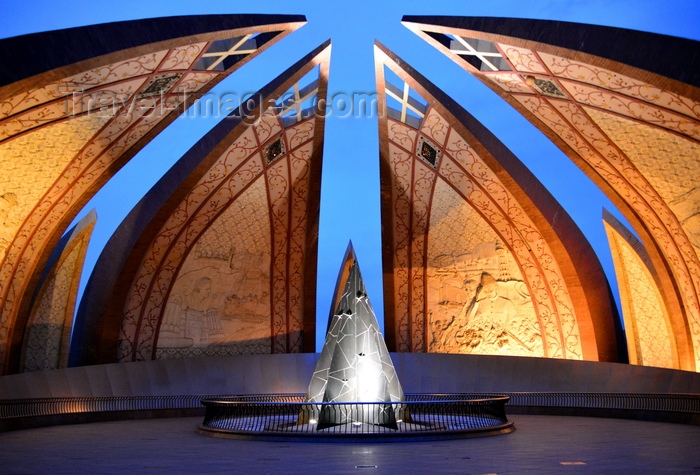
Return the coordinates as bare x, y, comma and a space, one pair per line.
540, 444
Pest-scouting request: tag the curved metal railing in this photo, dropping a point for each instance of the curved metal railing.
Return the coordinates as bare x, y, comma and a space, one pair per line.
12, 408
410, 417
681, 403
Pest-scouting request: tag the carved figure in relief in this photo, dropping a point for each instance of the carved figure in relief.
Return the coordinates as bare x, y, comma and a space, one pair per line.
202, 322
221, 298
248, 278
500, 320
489, 303
444, 313
196, 313
486, 316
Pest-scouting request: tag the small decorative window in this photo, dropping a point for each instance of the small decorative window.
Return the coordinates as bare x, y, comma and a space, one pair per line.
274, 151
545, 86
159, 85
428, 151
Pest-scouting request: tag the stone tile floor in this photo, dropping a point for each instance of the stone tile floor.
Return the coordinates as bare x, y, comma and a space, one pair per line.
540, 444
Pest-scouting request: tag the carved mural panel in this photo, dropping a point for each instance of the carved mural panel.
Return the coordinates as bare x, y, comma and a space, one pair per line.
236, 293
116, 105
220, 301
614, 124
477, 300
90, 120
458, 284
482, 188
160, 265
634, 117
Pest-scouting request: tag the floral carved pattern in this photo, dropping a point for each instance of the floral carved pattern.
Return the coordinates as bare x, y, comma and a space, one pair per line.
619, 84
595, 90
299, 169
183, 57
574, 126
79, 83
78, 177
645, 316
278, 184
523, 59
109, 93
401, 166
423, 184
435, 127
287, 185
48, 331
511, 82
642, 111
465, 172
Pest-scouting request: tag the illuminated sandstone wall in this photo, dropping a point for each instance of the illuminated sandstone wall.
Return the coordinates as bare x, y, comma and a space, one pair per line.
463, 172
472, 265
636, 133
232, 267
263, 270
650, 340
47, 337
66, 131
221, 296
465, 256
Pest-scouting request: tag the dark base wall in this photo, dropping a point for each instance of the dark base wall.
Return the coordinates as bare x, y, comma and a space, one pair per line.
291, 373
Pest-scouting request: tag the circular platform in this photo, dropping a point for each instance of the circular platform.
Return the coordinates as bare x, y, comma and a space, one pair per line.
419, 416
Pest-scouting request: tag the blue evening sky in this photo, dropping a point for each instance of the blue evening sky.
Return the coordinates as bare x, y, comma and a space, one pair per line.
350, 188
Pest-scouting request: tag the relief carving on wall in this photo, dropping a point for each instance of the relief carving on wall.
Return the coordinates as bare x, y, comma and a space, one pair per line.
598, 93
105, 120
220, 301
548, 327
478, 304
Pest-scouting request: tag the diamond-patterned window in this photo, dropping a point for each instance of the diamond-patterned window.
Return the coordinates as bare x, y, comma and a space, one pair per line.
403, 103
159, 85
545, 86
428, 151
274, 151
